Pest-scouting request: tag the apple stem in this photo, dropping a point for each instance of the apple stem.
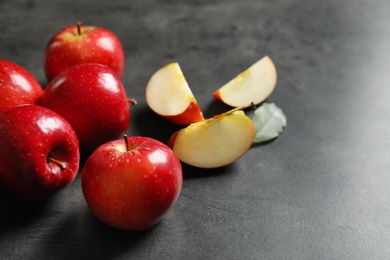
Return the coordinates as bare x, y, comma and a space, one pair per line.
78, 24
132, 101
252, 105
55, 161
231, 111
126, 142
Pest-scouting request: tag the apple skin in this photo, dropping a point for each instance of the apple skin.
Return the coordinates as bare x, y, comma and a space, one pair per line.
17, 86
31, 137
93, 45
132, 189
93, 100
191, 115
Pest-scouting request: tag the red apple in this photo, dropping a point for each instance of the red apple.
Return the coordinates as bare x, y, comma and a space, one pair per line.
17, 86
77, 44
39, 153
131, 183
93, 100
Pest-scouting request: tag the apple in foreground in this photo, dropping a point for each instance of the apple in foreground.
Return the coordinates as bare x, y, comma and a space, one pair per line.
253, 85
78, 44
214, 142
39, 153
131, 183
17, 86
93, 100
168, 95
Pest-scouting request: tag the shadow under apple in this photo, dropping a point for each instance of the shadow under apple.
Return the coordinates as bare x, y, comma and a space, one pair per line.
192, 172
146, 122
87, 237
215, 107
18, 214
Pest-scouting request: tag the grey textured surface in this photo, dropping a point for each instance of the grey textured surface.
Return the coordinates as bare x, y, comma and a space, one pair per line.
319, 191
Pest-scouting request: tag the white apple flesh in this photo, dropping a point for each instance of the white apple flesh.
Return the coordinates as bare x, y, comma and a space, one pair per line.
168, 94
253, 85
214, 142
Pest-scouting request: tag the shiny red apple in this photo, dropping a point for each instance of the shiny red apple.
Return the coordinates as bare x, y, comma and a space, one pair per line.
132, 183
78, 44
93, 100
17, 86
39, 153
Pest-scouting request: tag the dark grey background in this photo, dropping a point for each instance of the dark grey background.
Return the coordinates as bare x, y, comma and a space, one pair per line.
319, 191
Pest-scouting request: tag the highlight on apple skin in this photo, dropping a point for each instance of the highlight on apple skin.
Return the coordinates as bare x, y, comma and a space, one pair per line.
253, 85
168, 95
214, 142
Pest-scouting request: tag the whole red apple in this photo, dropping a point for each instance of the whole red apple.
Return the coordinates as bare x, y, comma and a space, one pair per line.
131, 183
17, 86
39, 153
92, 99
78, 44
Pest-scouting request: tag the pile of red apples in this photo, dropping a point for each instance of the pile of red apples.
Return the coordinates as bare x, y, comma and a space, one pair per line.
127, 182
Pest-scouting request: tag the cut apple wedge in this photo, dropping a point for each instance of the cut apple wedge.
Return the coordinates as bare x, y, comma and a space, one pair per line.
214, 142
254, 84
168, 94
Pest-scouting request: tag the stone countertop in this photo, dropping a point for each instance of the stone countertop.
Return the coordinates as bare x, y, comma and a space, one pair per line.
319, 191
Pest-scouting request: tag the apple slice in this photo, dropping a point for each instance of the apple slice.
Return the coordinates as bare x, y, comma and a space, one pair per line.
168, 94
214, 142
254, 85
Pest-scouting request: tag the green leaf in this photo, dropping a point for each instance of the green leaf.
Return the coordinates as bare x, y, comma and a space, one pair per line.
269, 121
